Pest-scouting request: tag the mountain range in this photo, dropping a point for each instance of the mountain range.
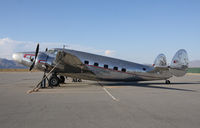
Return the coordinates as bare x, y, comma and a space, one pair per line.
194, 63
11, 64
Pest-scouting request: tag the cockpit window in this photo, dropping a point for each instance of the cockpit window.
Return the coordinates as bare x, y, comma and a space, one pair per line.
49, 51
52, 51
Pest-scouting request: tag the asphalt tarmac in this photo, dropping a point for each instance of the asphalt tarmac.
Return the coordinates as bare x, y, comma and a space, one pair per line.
149, 104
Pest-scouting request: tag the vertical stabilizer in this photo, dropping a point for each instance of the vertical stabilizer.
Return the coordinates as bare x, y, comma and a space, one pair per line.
179, 64
160, 61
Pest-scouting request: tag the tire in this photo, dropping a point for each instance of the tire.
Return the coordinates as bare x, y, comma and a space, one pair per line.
62, 79
54, 81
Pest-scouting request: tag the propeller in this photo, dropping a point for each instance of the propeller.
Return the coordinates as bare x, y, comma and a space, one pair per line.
36, 54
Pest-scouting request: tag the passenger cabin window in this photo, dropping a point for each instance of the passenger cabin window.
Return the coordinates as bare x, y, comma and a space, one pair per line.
96, 64
115, 68
86, 62
106, 66
123, 70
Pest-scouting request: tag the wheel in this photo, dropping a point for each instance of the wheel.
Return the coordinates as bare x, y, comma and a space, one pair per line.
167, 82
54, 81
62, 79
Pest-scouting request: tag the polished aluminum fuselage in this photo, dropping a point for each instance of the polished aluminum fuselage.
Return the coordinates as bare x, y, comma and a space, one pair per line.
73, 65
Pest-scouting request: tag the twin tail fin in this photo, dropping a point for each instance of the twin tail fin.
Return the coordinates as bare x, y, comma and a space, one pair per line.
179, 63
178, 66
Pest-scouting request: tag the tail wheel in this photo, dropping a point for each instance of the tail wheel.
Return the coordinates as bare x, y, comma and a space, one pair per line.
54, 81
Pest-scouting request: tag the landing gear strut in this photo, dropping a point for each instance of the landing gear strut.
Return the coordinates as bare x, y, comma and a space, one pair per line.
43, 83
62, 79
167, 82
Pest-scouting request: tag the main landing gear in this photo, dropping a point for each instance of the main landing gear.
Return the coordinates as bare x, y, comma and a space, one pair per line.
167, 82
53, 81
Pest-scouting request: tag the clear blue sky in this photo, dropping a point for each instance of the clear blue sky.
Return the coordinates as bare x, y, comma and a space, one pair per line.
135, 30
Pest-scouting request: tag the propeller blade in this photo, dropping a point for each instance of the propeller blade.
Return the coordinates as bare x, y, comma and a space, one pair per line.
33, 64
36, 54
37, 50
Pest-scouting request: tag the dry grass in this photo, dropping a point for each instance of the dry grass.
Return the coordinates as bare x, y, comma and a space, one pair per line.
193, 73
17, 70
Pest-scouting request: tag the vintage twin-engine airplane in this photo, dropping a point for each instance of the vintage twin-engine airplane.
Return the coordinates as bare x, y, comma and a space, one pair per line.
82, 65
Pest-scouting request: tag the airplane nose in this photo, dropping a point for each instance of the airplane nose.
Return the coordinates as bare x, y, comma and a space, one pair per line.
17, 57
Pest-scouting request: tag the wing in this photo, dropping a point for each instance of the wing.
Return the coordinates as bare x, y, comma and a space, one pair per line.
63, 57
68, 63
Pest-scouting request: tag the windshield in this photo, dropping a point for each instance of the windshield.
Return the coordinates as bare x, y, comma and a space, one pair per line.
52, 51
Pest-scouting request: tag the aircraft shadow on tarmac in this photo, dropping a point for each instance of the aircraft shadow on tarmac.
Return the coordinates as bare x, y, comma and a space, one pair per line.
150, 85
